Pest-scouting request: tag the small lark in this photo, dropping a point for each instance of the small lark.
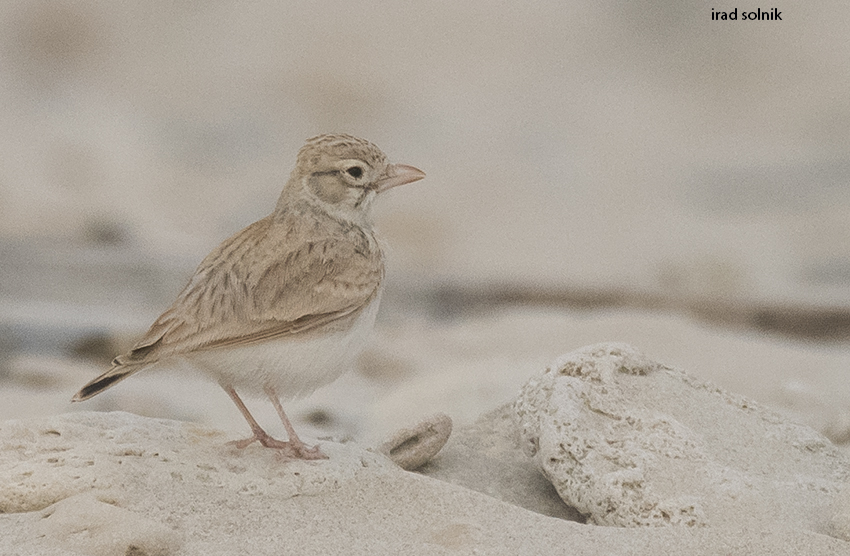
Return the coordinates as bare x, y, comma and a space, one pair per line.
284, 306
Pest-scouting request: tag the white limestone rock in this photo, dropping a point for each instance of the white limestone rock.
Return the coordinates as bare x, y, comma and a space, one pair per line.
111, 483
839, 523
95, 527
114, 483
628, 442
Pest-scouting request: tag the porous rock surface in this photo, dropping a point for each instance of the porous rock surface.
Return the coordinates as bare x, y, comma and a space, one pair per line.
117, 484
628, 442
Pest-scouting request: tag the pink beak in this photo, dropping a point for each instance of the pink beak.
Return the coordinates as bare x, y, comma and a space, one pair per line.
399, 174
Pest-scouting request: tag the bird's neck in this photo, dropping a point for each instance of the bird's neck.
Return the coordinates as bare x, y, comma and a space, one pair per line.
316, 215
293, 202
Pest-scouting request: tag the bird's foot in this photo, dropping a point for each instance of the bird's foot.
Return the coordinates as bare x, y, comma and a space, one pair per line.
293, 449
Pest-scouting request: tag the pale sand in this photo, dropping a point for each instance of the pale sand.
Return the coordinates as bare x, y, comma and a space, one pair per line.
103, 483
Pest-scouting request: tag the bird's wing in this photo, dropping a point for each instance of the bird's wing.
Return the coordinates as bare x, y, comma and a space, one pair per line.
259, 285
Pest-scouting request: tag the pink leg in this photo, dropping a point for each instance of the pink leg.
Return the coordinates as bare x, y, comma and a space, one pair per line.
294, 449
260, 435
303, 451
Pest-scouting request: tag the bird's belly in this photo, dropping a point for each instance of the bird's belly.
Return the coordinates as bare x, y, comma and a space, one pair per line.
294, 366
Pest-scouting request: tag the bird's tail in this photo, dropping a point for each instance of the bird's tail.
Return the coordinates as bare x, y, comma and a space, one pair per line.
112, 376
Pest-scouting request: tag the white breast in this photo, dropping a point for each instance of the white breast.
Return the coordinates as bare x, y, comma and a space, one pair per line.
293, 366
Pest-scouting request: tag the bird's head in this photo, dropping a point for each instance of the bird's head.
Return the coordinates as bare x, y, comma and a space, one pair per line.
343, 175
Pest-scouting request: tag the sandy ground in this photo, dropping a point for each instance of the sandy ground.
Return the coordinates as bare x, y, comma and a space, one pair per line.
750, 471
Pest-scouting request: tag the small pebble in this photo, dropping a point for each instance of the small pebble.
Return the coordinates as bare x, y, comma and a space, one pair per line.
412, 448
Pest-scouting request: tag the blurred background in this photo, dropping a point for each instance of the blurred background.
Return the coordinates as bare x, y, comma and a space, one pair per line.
633, 169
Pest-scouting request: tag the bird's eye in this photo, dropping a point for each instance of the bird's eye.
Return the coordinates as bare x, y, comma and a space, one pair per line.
355, 172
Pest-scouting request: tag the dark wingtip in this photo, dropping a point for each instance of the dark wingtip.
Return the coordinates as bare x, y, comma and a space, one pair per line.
97, 386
